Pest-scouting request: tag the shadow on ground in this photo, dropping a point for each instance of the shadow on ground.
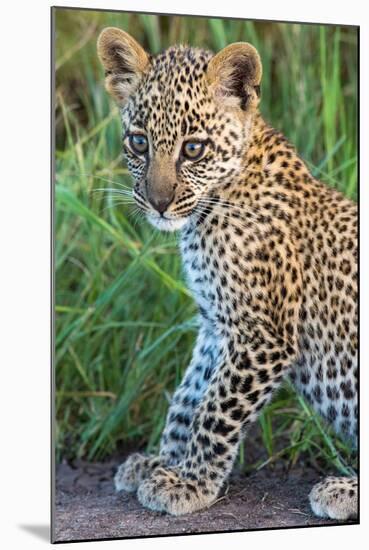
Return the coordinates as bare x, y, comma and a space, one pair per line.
88, 508
40, 531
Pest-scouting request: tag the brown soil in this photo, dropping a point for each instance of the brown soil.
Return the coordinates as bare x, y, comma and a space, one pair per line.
87, 507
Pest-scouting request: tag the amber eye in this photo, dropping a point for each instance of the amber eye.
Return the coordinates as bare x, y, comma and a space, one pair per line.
138, 143
193, 150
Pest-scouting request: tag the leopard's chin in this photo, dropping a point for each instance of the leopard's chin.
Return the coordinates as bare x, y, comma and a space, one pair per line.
166, 224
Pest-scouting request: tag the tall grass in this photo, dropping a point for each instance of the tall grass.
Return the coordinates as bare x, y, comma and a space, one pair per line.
125, 322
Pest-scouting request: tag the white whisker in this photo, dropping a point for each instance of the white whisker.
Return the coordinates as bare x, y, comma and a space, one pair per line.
138, 216
107, 180
234, 209
112, 190
233, 220
94, 176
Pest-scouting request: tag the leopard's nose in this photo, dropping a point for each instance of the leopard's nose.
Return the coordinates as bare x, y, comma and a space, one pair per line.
161, 202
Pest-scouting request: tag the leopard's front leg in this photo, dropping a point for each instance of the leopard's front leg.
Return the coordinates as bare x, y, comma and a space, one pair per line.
238, 390
176, 433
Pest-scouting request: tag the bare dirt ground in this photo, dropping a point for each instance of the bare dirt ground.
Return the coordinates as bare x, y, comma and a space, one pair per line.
87, 506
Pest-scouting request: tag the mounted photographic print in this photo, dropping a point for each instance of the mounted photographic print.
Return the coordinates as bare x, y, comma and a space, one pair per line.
205, 231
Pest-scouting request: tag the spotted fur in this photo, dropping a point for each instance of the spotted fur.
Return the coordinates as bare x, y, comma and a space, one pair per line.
269, 253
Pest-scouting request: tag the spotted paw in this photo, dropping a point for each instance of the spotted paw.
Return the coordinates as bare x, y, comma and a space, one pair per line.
134, 470
335, 498
166, 491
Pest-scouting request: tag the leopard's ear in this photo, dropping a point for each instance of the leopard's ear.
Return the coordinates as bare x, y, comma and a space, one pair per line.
124, 61
234, 75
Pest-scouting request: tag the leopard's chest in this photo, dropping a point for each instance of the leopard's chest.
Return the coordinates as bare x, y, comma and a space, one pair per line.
203, 277
212, 262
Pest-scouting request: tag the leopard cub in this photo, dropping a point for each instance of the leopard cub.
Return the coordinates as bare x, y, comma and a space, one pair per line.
269, 254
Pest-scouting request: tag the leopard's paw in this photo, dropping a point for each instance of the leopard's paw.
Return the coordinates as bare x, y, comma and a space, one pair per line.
166, 491
134, 470
335, 498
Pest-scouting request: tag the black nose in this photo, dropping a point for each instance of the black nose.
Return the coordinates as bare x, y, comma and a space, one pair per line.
161, 202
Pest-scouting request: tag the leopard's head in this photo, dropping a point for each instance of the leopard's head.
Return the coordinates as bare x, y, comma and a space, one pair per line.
186, 115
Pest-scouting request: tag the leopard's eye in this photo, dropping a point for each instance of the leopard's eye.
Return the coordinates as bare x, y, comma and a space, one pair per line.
193, 150
138, 143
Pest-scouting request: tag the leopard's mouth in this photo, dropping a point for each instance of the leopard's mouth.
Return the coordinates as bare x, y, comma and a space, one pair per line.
166, 224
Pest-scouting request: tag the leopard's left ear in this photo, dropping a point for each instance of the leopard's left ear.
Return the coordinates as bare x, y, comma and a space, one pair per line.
234, 76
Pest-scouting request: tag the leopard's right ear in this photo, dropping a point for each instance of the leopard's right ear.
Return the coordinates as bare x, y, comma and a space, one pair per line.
124, 61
